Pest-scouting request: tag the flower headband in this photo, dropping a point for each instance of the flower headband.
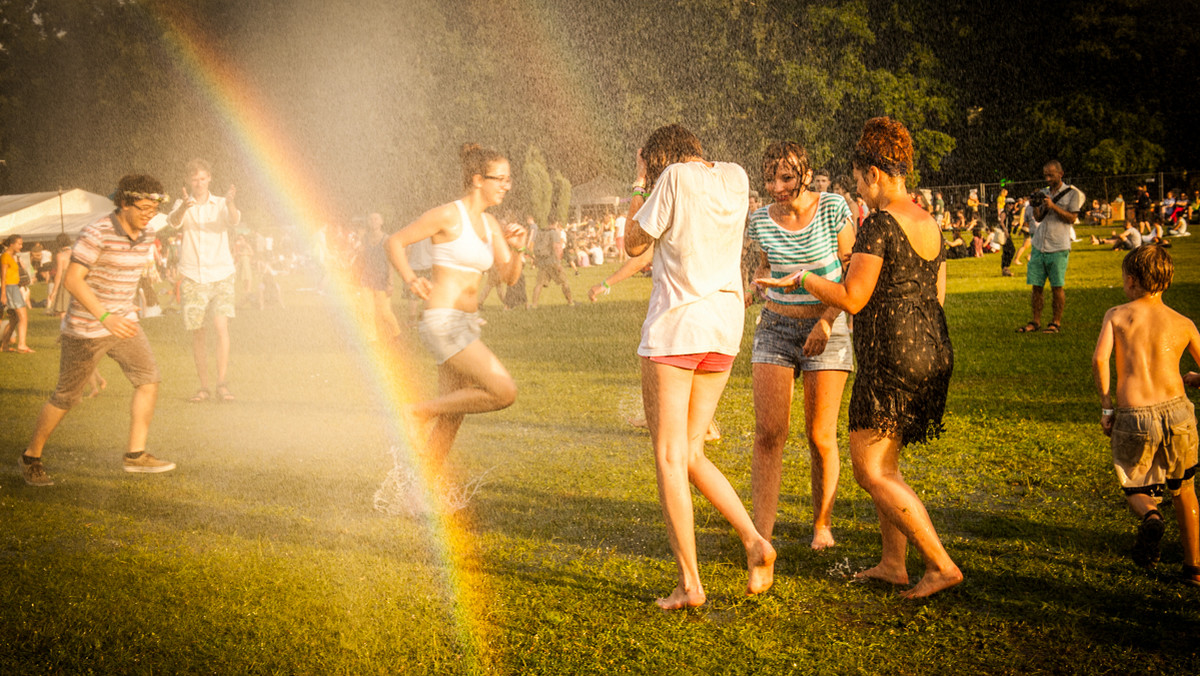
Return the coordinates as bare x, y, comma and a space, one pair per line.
156, 196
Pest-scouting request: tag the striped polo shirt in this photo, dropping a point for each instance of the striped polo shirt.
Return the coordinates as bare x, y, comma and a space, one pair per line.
813, 247
115, 263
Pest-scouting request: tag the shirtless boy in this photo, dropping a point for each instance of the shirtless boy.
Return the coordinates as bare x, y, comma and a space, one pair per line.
1153, 426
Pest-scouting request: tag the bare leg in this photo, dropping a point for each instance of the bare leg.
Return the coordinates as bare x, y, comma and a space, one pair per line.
200, 354
679, 406
48, 419
1186, 509
1058, 302
1035, 302
22, 328
472, 381
566, 289
876, 467
772, 413
387, 327
221, 324
141, 412
822, 402
537, 293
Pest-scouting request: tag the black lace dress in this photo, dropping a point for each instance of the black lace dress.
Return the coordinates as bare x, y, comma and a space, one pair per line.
901, 343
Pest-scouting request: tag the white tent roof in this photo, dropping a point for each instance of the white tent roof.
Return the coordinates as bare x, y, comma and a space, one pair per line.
37, 215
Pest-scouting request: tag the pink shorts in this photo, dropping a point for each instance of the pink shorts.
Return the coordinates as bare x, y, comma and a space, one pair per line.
700, 361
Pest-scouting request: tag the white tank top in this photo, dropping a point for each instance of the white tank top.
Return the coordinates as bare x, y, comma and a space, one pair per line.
468, 252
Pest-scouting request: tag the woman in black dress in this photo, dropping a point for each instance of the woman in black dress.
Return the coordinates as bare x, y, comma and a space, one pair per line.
895, 287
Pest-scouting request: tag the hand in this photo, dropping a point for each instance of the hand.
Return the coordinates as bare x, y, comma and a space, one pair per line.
422, 287
818, 338
595, 292
1106, 424
231, 194
641, 167
1192, 379
120, 327
188, 200
789, 282
514, 234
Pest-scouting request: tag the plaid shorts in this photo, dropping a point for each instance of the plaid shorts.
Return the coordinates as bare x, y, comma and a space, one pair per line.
198, 298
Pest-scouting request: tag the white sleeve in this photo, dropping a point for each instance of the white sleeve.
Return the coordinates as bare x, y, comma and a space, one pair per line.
655, 215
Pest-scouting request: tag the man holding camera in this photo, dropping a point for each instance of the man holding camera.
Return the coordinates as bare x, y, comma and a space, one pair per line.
1055, 210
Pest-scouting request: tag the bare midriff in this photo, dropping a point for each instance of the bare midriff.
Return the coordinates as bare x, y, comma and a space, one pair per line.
797, 311
457, 289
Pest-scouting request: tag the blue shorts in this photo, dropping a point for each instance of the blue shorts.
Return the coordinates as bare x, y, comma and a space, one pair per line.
1047, 266
780, 340
14, 298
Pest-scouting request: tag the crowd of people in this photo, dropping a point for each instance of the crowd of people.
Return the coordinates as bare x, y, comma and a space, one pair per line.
851, 279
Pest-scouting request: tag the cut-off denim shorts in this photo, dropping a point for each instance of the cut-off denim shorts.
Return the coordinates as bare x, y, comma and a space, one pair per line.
446, 331
779, 340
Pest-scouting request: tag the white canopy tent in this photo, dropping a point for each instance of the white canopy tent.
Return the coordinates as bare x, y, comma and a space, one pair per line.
43, 215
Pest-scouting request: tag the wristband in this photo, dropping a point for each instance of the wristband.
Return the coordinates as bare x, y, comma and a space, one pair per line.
1106, 411
640, 193
607, 288
104, 316
805, 274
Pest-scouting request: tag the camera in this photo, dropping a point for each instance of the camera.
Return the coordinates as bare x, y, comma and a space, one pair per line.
1037, 198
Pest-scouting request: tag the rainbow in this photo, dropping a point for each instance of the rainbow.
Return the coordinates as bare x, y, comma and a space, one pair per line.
269, 153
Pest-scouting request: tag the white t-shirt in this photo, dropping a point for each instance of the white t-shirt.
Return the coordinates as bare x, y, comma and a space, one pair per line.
204, 254
697, 215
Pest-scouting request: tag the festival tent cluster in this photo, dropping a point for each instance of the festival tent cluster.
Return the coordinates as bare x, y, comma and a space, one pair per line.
43, 215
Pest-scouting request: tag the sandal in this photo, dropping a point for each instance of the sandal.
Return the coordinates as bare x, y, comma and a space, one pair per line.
1191, 575
200, 397
1029, 328
1052, 327
223, 393
1149, 534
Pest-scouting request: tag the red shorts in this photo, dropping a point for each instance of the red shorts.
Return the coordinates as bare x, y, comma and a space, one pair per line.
700, 361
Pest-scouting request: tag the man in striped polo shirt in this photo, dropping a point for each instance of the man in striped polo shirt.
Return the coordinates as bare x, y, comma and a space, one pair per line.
106, 264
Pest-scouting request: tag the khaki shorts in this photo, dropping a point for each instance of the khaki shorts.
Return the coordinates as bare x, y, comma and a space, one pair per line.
1155, 446
198, 297
549, 270
80, 356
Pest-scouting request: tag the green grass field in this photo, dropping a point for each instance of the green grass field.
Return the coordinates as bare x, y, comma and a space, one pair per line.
262, 553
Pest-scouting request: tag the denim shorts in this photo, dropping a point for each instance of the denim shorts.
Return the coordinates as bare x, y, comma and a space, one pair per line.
780, 340
14, 298
446, 331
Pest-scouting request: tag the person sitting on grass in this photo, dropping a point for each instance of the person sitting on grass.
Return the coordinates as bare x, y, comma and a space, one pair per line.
1128, 240
1153, 426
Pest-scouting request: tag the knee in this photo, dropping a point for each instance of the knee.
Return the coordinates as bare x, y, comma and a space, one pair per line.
770, 436
505, 394
822, 443
867, 479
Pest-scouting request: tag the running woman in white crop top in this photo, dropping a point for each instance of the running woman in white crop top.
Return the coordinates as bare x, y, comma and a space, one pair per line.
467, 241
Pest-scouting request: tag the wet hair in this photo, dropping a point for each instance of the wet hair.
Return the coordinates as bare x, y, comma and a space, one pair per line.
475, 161
197, 164
845, 183
136, 183
1150, 266
791, 155
666, 146
886, 145
62, 241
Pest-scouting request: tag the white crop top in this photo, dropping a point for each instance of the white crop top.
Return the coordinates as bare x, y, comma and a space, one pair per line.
468, 252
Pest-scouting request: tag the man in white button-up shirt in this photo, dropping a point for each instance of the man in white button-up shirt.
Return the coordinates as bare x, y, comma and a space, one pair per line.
206, 265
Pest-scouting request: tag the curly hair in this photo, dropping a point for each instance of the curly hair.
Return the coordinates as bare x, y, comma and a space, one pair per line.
885, 144
135, 183
666, 146
791, 155
1150, 266
476, 160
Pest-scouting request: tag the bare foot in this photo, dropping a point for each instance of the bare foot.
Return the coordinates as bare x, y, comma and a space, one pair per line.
934, 582
760, 564
822, 538
681, 598
885, 573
